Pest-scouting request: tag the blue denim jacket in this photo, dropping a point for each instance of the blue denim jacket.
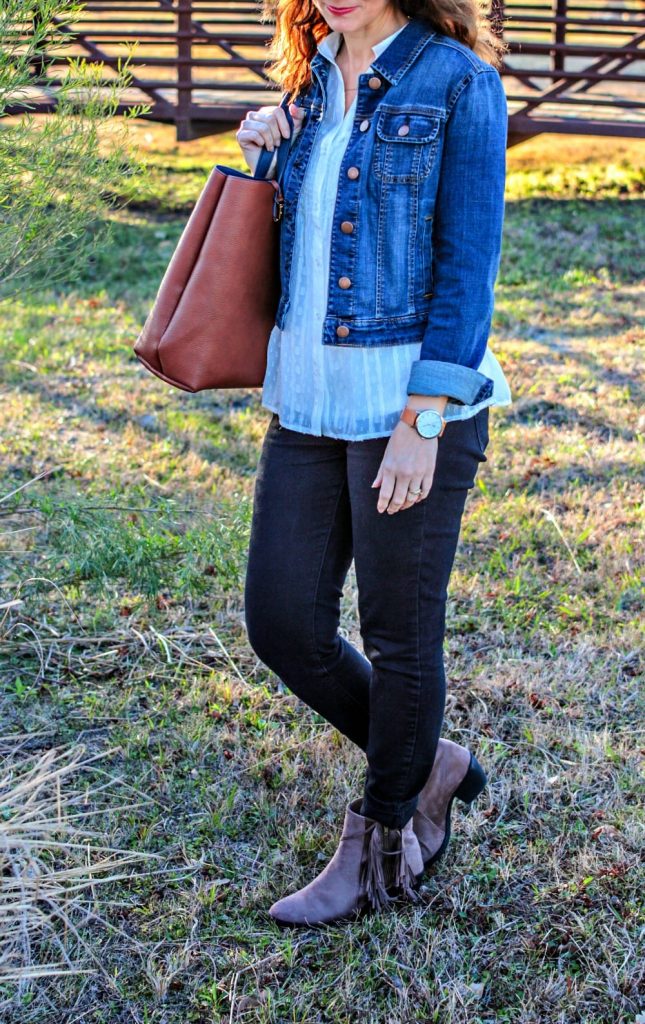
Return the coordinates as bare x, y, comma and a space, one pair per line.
417, 228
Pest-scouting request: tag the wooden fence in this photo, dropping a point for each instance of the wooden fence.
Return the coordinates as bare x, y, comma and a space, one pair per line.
572, 67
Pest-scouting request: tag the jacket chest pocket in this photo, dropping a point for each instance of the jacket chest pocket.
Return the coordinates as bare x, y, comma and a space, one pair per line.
406, 142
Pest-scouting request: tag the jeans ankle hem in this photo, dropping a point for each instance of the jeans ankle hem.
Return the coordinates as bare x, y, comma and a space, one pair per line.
390, 815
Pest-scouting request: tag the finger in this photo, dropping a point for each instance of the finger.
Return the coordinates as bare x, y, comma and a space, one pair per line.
269, 114
283, 124
297, 112
399, 496
387, 489
378, 478
411, 499
416, 499
254, 128
426, 487
268, 126
250, 138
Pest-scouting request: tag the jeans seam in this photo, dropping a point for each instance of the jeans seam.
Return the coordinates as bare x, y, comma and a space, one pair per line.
418, 643
416, 719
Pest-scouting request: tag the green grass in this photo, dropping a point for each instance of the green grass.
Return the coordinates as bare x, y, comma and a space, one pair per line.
123, 568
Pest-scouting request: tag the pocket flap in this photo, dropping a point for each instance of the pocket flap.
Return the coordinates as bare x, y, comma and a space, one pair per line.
407, 125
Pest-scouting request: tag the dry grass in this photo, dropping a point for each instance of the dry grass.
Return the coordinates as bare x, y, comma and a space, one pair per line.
54, 865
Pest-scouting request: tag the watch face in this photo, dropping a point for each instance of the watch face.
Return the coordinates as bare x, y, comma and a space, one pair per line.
429, 423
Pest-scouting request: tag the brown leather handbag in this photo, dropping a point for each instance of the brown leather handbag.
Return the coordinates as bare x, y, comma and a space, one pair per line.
210, 323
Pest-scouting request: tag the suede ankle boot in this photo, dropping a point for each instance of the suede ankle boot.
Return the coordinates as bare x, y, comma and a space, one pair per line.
455, 773
372, 866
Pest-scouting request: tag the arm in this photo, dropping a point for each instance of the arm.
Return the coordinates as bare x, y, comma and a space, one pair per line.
467, 241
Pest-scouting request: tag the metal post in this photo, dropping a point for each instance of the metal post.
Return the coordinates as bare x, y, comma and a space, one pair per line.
560, 34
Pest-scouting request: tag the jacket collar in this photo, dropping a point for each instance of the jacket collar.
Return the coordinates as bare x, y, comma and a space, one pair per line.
398, 55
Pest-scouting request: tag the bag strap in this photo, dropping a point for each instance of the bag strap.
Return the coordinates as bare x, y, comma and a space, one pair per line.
266, 157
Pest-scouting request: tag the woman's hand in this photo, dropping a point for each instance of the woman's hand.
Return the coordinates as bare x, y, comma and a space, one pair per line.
265, 128
408, 461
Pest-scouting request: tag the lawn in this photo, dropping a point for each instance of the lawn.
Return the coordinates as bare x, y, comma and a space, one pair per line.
124, 517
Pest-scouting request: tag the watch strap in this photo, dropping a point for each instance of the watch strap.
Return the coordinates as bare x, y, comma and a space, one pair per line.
409, 416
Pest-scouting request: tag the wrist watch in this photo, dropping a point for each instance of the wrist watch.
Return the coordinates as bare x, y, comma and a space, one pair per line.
427, 422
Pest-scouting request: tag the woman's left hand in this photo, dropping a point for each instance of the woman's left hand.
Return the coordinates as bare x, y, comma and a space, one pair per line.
408, 461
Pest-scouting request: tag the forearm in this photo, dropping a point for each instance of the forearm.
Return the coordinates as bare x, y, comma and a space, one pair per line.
437, 402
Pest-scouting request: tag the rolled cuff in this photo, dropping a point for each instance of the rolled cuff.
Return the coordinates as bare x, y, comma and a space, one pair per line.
460, 383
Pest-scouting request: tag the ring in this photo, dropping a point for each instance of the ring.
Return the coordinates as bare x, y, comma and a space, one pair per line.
410, 491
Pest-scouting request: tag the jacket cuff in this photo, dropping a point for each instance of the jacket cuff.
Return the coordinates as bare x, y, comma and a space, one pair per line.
460, 383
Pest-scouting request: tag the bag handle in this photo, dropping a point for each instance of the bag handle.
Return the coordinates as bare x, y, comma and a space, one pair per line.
266, 157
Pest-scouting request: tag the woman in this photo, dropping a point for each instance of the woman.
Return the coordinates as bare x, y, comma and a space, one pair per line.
380, 379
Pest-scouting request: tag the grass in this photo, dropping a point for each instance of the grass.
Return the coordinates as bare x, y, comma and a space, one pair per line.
51, 865
124, 511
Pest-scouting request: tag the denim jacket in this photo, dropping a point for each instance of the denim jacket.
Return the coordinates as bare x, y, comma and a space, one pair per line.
417, 227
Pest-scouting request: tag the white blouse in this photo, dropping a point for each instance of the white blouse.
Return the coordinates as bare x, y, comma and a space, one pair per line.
348, 393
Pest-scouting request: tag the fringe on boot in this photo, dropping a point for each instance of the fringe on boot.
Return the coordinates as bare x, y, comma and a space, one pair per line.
374, 878
399, 873
404, 876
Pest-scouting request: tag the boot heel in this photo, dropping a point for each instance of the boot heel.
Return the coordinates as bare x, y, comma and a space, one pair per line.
472, 783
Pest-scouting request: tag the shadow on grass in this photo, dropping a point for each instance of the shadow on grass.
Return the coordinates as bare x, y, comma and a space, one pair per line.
540, 245
529, 412
545, 239
238, 458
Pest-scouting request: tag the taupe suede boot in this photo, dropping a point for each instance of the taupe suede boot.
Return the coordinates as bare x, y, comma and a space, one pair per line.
455, 773
372, 865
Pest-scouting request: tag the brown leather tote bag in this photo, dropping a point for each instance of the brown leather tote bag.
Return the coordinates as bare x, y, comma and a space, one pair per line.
210, 323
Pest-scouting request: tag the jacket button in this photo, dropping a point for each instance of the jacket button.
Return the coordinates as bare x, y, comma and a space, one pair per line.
404, 129
363, 126
353, 172
347, 227
344, 282
374, 82
342, 331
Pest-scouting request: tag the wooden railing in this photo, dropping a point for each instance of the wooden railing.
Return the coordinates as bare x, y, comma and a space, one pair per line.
573, 67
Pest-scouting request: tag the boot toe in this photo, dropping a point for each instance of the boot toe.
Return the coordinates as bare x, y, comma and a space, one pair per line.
285, 911
288, 911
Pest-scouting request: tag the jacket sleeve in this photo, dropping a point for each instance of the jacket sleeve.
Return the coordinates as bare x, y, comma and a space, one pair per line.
466, 244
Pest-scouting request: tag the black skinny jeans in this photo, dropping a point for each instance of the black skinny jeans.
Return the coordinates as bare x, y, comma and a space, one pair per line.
314, 510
